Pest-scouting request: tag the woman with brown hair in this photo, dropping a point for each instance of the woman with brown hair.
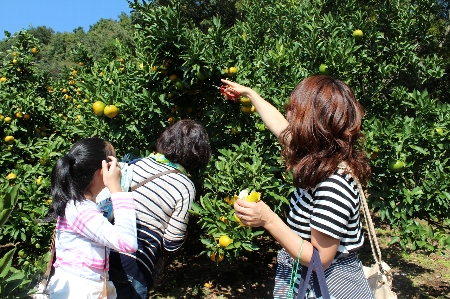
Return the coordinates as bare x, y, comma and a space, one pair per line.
320, 135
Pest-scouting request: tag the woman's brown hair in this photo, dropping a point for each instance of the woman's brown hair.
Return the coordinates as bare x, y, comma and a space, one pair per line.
324, 129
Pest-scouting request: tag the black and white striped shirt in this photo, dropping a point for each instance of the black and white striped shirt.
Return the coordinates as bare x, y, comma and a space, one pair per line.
332, 207
162, 216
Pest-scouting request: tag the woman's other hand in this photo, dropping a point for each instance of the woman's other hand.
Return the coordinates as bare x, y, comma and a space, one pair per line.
111, 174
254, 214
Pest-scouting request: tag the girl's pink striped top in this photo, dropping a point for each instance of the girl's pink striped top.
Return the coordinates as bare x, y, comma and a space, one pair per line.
81, 236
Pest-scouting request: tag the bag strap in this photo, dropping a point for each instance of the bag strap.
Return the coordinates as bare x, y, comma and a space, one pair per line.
152, 178
376, 252
104, 291
52, 250
320, 284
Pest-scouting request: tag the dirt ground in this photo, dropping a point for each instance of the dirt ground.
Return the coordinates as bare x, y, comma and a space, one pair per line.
417, 275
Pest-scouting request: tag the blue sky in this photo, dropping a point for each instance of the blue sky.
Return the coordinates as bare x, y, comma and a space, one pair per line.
60, 15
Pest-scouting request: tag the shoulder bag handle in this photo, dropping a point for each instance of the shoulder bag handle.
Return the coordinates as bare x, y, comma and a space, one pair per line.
370, 227
320, 284
152, 178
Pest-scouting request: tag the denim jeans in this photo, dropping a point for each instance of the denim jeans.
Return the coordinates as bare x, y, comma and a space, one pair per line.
126, 286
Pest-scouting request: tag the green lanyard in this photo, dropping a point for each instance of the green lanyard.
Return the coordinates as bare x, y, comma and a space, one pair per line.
162, 159
294, 273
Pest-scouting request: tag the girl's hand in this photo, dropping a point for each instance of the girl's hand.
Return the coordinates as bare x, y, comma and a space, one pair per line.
253, 214
111, 174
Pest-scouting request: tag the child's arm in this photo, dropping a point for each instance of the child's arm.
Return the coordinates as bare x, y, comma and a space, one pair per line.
87, 220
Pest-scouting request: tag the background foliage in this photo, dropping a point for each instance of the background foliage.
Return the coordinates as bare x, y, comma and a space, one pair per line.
160, 65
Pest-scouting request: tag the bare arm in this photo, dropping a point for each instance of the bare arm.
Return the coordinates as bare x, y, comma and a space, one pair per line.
270, 115
259, 214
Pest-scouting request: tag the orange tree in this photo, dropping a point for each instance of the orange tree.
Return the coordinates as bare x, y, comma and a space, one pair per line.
386, 58
30, 105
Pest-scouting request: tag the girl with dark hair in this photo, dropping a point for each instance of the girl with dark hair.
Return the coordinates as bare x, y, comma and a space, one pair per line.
163, 192
82, 233
320, 144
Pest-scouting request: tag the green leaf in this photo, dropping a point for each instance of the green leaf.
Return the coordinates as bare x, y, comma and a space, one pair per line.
5, 262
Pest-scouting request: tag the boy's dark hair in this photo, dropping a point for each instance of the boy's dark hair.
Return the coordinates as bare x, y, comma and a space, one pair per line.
185, 142
73, 173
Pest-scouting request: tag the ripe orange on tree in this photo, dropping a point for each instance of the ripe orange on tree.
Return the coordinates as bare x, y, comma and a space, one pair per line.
111, 111
245, 100
224, 241
2, 79
27, 116
98, 108
358, 34
8, 119
9, 139
19, 115
232, 70
213, 257
246, 109
11, 176
34, 50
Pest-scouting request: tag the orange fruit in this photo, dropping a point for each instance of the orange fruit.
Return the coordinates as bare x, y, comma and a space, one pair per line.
179, 85
111, 111
213, 257
19, 115
26, 116
324, 70
358, 34
224, 241
98, 108
245, 101
2, 79
173, 77
232, 70
246, 109
9, 139
8, 119
238, 220
11, 176
34, 50
80, 63
253, 109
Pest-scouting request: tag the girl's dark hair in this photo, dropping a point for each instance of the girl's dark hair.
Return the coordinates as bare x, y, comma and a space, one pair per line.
185, 142
324, 129
73, 173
